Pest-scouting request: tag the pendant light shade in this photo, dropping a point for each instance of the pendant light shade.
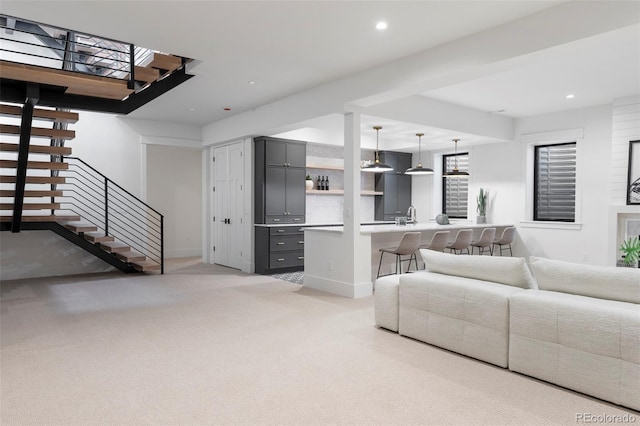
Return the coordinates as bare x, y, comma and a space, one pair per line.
455, 172
377, 166
418, 169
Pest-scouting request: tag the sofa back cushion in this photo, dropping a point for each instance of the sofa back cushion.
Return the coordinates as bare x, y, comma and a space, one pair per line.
603, 282
504, 270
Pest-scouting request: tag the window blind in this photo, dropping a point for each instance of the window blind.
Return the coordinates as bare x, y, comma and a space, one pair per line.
555, 182
455, 194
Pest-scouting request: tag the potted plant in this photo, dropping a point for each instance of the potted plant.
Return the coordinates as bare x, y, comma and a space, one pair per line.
482, 200
631, 249
308, 182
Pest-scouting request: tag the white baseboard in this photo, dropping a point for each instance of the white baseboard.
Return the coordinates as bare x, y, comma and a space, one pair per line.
187, 252
354, 291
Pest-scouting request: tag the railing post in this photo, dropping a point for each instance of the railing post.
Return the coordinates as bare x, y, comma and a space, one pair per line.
106, 206
131, 84
161, 244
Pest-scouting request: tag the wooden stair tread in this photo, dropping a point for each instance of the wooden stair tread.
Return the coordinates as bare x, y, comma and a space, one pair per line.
40, 114
31, 206
97, 237
40, 132
76, 83
76, 226
145, 74
34, 179
131, 256
114, 246
37, 149
146, 265
31, 193
41, 165
162, 62
48, 218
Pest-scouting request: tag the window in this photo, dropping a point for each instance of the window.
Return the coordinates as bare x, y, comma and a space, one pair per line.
554, 183
455, 191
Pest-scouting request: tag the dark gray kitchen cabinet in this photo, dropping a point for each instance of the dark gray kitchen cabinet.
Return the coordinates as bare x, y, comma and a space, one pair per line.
395, 185
279, 180
278, 249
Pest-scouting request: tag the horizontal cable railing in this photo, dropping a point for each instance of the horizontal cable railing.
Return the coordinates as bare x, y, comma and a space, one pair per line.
33, 43
113, 210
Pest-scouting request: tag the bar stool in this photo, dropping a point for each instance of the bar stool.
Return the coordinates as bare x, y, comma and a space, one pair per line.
508, 235
438, 241
409, 244
485, 242
462, 241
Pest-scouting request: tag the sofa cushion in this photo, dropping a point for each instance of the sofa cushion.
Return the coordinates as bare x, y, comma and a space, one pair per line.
603, 282
511, 271
582, 343
463, 315
386, 302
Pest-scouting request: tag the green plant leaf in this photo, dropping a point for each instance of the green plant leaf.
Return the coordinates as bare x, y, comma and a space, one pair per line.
631, 249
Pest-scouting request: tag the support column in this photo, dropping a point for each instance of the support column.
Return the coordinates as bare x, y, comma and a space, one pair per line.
359, 247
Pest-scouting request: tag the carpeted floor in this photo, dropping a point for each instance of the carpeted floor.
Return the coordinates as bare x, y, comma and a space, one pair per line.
206, 345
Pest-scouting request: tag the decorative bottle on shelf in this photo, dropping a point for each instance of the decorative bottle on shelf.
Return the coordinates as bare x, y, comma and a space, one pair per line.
318, 187
326, 184
322, 184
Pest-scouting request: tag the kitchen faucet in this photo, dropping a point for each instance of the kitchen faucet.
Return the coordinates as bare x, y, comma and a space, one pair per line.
411, 214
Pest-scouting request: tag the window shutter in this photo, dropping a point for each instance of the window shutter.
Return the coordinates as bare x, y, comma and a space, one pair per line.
555, 183
456, 190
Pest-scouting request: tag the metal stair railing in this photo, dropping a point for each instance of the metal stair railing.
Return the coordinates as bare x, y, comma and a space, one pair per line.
112, 209
34, 43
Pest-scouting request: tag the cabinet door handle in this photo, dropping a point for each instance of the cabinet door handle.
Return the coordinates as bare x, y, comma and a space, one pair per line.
279, 244
296, 219
281, 259
276, 220
300, 242
301, 229
300, 257
280, 230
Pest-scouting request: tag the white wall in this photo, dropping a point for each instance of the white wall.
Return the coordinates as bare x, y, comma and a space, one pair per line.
174, 188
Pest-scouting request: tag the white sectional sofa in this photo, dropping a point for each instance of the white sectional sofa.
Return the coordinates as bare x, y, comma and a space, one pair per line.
580, 329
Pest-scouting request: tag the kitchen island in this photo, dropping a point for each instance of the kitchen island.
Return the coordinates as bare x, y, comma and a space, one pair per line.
325, 266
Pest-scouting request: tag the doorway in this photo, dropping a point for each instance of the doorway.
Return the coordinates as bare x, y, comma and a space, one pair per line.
228, 178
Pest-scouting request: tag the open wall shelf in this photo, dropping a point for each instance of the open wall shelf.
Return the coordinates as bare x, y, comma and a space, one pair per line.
339, 192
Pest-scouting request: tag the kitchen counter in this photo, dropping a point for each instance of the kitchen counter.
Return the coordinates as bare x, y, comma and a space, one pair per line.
391, 227
347, 263
315, 225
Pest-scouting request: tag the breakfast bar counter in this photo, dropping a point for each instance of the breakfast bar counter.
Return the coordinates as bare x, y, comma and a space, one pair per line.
337, 263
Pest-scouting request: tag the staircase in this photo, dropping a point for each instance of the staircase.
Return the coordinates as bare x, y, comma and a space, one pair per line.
67, 196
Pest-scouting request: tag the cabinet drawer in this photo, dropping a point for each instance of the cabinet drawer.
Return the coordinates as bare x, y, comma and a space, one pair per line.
284, 219
286, 242
286, 230
286, 259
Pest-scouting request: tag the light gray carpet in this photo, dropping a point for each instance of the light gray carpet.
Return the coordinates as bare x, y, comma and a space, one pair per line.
208, 345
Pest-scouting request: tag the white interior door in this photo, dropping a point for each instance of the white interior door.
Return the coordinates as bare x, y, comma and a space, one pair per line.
229, 205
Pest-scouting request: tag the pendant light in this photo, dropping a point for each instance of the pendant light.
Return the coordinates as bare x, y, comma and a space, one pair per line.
418, 169
455, 172
377, 166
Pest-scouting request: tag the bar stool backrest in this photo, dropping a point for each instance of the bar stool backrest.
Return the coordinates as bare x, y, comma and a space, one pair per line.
410, 243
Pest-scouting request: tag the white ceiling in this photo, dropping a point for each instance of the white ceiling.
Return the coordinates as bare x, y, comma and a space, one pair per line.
291, 46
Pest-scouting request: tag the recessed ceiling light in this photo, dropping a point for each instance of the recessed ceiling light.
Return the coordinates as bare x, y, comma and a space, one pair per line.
381, 25
571, 96
192, 109
251, 82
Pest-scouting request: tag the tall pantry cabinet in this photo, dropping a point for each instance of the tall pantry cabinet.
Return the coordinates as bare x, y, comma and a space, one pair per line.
280, 170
